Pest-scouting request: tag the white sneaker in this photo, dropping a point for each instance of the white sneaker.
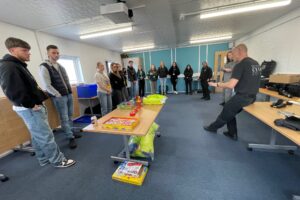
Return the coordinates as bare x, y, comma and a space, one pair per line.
175, 92
65, 163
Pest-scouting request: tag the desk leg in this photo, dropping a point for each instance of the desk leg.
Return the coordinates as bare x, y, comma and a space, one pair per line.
272, 145
25, 149
91, 108
268, 97
120, 158
296, 197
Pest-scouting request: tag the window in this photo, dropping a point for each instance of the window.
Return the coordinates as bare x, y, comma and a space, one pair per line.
73, 68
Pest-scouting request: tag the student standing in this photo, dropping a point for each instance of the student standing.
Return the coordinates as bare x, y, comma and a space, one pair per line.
152, 76
205, 76
174, 73
56, 82
132, 79
245, 80
162, 73
122, 72
188, 77
141, 78
27, 98
227, 70
103, 89
117, 83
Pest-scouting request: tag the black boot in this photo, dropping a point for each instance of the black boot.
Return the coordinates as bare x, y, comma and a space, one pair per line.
231, 136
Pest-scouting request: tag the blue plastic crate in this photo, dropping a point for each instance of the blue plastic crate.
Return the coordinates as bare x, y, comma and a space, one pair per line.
87, 91
83, 119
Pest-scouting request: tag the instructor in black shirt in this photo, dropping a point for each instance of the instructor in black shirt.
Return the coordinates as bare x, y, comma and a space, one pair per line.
245, 81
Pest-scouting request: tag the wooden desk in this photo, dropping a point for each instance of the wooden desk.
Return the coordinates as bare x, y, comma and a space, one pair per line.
267, 114
270, 93
147, 115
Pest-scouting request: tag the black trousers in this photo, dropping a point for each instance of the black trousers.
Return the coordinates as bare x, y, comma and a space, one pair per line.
230, 110
117, 98
205, 90
174, 83
188, 86
142, 88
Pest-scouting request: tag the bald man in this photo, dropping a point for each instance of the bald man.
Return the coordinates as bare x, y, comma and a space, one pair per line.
245, 80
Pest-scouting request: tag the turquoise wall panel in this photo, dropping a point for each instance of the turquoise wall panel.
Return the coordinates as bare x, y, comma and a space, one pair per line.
187, 55
184, 56
203, 49
162, 55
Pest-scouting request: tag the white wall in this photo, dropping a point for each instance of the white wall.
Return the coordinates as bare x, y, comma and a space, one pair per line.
278, 40
89, 55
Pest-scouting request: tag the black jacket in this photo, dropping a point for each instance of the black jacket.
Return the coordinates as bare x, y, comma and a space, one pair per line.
141, 76
152, 75
188, 74
162, 72
131, 74
117, 83
174, 72
206, 73
18, 84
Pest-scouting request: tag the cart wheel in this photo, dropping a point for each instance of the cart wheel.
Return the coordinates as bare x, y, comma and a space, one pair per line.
32, 153
291, 152
249, 149
5, 178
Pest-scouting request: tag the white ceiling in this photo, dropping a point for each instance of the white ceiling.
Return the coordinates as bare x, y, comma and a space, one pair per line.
154, 21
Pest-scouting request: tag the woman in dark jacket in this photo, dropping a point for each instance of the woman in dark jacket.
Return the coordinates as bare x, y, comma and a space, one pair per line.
162, 73
152, 76
174, 73
117, 83
141, 78
188, 77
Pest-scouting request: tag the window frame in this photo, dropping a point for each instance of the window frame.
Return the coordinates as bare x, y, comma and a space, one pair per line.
77, 67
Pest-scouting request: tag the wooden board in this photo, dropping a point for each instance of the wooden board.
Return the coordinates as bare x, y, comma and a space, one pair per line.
267, 114
146, 115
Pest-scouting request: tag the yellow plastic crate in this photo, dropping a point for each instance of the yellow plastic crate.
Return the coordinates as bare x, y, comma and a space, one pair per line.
121, 123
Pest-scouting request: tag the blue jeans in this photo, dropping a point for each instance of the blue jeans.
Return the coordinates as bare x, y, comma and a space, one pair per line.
64, 107
132, 89
163, 83
46, 149
105, 102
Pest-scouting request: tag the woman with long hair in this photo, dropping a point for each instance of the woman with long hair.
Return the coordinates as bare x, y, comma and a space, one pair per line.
174, 73
162, 74
188, 77
152, 76
103, 89
141, 80
227, 70
117, 83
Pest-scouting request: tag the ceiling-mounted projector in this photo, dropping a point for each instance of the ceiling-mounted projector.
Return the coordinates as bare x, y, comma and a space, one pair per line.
117, 12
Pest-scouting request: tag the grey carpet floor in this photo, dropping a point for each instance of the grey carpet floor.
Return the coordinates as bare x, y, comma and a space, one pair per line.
190, 164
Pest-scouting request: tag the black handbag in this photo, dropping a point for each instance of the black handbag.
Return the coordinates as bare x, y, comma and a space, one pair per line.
289, 122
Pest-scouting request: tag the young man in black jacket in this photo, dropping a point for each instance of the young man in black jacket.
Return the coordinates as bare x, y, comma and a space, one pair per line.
56, 82
27, 98
132, 77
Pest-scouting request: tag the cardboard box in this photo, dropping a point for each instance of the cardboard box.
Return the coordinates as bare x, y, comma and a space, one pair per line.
284, 78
